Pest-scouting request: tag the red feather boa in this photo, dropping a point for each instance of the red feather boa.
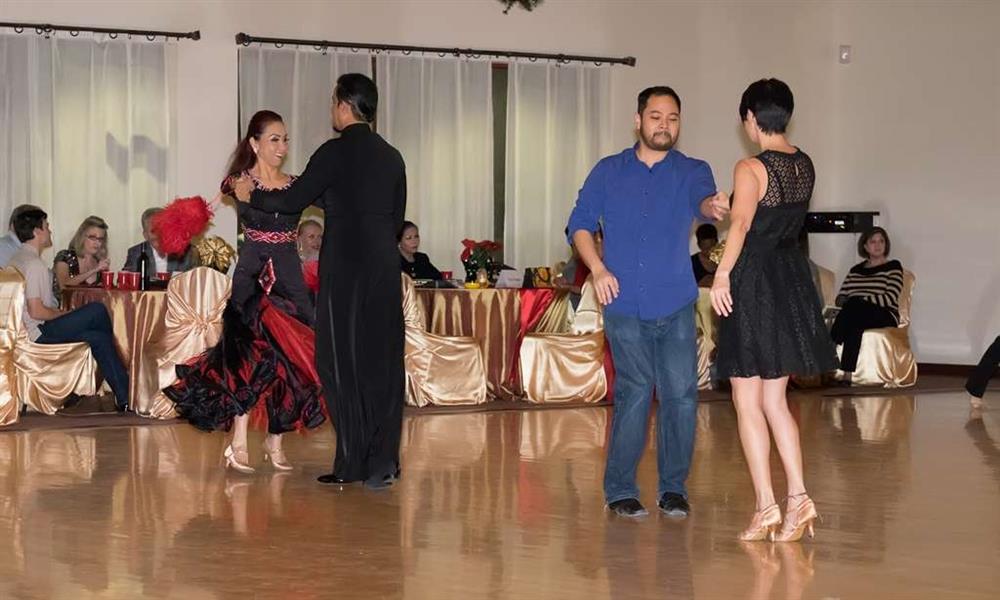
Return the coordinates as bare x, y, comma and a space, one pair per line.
182, 220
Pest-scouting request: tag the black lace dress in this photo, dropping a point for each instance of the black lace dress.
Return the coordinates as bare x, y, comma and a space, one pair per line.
263, 364
776, 327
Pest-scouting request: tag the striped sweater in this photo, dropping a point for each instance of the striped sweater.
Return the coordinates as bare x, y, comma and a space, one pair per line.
881, 285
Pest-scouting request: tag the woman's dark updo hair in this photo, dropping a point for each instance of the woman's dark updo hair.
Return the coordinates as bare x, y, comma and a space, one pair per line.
402, 230
771, 102
244, 157
360, 93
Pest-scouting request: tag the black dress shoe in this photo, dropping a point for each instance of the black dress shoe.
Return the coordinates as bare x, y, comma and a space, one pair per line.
629, 507
332, 479
381, 482
674, 505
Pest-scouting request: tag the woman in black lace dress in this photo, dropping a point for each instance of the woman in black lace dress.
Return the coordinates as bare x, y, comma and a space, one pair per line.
772, 325
261, 371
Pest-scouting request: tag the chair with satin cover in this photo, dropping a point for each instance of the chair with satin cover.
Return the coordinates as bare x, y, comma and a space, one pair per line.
827, 285
39, 376
196, 300
885, 358
440, 370
705, 324
567, 367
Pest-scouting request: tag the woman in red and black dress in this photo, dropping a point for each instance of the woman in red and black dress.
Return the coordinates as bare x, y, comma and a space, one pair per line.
261, 372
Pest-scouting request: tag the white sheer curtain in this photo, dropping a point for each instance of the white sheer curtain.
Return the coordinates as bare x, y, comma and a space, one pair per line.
558, 127
86, 128
297, 83
439, 113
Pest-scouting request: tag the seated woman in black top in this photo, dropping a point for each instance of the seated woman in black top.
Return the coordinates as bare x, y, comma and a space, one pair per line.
869, 296
703, 267
413, 263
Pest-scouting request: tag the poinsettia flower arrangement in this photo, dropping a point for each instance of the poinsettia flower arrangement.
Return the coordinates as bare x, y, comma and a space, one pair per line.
483, 254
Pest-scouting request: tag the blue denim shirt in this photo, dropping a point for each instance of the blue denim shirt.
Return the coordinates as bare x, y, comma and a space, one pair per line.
646, 214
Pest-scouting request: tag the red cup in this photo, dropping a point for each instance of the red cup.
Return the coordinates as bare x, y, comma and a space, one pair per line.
162, 276
128, 280
108, 279
446, 274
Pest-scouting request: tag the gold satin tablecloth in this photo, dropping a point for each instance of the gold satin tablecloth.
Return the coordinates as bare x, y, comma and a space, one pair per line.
136, 318
492, 316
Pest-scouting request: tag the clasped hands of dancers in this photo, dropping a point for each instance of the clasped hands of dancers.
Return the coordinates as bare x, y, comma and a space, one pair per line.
644, 199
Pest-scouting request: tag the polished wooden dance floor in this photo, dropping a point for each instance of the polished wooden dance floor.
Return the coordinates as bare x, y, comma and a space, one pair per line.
505, 505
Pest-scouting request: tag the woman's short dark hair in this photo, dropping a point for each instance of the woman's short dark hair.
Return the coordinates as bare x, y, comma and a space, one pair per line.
27, 222
771, 102
867, 236
402, 230
360, 93
656, 90
706, 231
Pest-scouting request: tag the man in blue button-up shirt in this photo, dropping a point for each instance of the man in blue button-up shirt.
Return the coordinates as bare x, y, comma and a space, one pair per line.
646, 198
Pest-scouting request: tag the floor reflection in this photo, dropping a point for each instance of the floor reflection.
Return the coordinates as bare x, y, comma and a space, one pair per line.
503, 505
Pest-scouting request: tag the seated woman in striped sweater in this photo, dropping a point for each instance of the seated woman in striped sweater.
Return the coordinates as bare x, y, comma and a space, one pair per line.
869, 296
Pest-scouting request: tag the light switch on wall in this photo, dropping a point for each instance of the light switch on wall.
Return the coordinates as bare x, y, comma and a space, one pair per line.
845, 55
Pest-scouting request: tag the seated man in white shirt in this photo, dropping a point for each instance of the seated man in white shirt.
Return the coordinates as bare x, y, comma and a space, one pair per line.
46, 323
9, 244
156, 262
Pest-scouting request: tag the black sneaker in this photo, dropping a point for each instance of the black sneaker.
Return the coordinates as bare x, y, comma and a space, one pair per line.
674, 505
629, 507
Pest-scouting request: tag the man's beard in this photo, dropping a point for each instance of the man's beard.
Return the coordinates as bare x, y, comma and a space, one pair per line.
661, 141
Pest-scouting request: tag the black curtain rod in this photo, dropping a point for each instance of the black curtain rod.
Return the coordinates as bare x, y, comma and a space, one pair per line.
245, 40
41, 28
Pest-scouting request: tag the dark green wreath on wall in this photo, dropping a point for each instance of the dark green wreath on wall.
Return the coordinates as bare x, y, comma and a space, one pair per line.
527, 5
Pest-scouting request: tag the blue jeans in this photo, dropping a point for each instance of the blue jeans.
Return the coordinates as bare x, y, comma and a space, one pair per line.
91, 324
660, 353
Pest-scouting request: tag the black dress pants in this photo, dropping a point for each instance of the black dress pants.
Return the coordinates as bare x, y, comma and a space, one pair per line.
856, 316
976, 385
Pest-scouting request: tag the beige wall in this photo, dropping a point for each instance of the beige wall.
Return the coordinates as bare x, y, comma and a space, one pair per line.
909, 128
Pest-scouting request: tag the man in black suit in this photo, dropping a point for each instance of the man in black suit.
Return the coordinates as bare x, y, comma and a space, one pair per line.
359, 181
156, 262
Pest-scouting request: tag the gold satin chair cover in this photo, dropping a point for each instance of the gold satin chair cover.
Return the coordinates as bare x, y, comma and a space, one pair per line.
705, 327
40, 376
567, 367
193, 323
440, 370
827, 285
885, 358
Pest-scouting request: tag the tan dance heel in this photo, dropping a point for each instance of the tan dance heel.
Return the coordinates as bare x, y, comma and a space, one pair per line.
231, 459
798, 521
762, 525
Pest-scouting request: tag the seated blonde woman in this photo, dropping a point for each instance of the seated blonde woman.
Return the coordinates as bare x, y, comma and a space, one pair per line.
310, 239
86, 257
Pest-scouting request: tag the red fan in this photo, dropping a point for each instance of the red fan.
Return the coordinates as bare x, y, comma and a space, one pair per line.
179, 222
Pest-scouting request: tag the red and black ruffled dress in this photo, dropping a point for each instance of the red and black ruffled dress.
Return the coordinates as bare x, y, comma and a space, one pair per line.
263, 364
